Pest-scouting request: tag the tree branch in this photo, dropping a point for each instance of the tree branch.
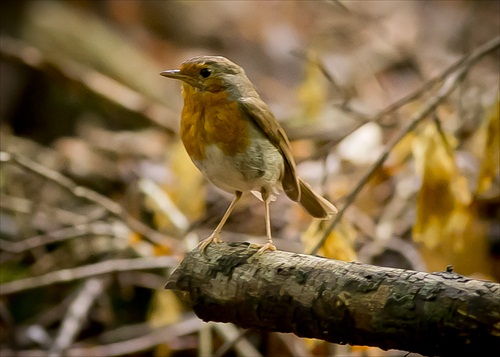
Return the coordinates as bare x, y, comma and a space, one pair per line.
429, 313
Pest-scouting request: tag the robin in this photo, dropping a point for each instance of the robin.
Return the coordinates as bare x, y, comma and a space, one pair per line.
236, 142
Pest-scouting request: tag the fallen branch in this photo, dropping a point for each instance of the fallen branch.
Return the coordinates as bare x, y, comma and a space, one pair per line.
349, 303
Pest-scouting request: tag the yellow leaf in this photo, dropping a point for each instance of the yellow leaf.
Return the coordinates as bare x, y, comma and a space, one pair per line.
338, 245
469, 254
165, 309
313, 92
490, 153
185, 190
188, 190
399, 155
444, 198
447, 219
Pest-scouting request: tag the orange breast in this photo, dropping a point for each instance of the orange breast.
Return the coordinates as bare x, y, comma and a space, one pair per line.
210, 118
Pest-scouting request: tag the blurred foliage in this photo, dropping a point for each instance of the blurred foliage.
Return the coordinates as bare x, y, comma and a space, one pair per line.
82, 97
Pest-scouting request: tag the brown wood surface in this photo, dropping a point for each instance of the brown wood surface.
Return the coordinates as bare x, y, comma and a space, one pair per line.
430, 313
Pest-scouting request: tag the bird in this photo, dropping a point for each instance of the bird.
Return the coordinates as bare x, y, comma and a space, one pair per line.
233, 138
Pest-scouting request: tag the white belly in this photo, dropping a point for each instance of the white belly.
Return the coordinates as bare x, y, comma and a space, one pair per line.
261, 166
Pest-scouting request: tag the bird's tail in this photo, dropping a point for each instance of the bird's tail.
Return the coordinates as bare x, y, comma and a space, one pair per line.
314, 204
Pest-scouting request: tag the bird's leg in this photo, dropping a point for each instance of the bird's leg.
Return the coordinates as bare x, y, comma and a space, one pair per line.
215, 236
269, 245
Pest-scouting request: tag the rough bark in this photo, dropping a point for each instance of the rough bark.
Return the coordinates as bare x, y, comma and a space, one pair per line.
437, 314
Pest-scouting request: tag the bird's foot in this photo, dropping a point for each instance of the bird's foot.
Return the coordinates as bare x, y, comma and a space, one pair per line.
266, 246
214, 238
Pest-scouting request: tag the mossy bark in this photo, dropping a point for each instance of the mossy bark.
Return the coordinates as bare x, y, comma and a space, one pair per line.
429, 313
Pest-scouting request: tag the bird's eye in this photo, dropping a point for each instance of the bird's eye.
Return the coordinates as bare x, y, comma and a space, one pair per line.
205, 72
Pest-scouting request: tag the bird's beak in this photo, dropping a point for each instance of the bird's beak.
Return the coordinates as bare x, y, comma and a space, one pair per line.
174, 73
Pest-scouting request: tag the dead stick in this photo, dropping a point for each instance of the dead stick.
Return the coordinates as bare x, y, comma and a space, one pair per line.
442, 313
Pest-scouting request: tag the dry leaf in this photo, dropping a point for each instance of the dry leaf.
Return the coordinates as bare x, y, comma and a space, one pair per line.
444, 198
339, 244
490, 153
313, 92
398, 157
165, 309
182, 198
188, 190
447, 220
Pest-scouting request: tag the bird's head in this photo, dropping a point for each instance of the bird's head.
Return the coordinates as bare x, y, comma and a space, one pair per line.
212, 74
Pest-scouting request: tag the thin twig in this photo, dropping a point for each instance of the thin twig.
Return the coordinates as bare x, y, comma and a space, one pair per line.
144, 338
82, 192
469, 58
230, 343
62, 216
87, 271
164, 203
143, 342
442, 134
79, 230
76, 315
452, 79
240, 344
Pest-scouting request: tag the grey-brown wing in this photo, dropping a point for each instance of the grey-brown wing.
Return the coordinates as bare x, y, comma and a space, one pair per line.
258, 111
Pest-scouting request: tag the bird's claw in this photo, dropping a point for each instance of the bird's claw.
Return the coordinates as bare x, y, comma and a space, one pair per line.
266, 246
214, 238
